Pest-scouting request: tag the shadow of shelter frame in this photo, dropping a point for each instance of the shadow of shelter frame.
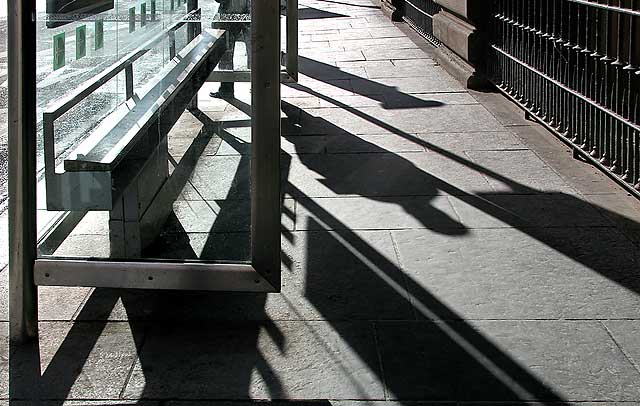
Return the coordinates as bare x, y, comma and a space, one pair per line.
27, 271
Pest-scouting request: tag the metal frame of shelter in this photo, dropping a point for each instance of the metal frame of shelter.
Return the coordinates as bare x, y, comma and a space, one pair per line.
27, 271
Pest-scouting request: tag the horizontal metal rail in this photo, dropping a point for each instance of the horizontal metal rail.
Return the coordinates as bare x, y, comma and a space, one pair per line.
63, 105
163, 274
608, 7
567, 89
575, 66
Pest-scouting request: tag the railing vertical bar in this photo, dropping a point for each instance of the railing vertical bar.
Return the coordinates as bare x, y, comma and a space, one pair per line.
575, 65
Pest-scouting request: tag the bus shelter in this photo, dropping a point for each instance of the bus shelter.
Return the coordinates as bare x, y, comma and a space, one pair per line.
127, 168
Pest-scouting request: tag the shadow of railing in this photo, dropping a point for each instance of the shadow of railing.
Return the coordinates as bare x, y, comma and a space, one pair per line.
390, 97
188, 359
344, 3
309, 13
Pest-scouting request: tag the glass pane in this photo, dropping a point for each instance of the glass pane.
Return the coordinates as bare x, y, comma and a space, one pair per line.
140, 156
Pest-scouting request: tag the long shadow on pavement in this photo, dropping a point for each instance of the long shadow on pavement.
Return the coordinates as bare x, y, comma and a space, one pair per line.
200, 357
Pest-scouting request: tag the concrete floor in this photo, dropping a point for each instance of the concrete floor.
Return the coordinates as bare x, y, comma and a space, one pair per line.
436, 246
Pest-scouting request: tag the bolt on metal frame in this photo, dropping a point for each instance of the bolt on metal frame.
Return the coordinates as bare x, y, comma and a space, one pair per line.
27, 271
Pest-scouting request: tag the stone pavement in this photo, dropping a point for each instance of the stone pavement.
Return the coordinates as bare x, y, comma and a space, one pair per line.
436, 246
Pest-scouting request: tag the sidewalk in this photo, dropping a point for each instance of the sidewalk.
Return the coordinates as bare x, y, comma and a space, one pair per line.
436, 246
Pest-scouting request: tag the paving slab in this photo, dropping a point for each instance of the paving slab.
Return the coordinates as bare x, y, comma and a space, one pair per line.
380, 65
433, 81
306, 144
231, 173
528, 273
356, 213
371, 144
320, 24
336, 275
625, 333
94, 222
508, 113
84, 403
84, 246
299, 360
530, 176
4, 239
318, 402
459, 142
337, 87
321, 144
234, 247
505, 361
580, 175
380, 174
331, 56
358, 33
396, 43
311, 101
79, 361
430, 117
54, 303
406, 68
621, 209
513, 210
400, 101
4, 360
319, 44
179, 146
341, 35
217, 216
318, 71
373, 54
391, 100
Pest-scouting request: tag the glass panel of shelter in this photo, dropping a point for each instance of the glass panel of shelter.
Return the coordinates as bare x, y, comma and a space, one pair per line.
144, 143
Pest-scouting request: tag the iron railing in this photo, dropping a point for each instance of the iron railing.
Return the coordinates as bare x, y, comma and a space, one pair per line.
574, 65
419, 15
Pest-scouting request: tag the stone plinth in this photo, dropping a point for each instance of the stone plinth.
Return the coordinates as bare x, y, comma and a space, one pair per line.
392, 8
461, 27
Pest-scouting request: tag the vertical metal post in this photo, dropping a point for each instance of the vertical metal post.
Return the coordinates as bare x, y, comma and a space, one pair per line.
172, 44
128, 80
292, 39
23, 309
193, 30
265, 139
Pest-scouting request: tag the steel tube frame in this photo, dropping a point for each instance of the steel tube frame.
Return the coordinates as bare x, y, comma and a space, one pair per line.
263, 274
265, 139
23, 298
150, 275
292, 39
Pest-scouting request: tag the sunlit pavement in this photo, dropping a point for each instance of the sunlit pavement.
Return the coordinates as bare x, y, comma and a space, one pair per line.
436, 246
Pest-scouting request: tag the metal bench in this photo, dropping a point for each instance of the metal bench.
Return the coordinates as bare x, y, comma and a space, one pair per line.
123, 163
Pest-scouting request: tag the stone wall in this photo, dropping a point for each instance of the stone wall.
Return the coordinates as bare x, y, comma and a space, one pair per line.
462, 27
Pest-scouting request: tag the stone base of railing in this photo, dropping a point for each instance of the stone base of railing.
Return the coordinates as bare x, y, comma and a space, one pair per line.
392, 8
464, 46
460, 69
